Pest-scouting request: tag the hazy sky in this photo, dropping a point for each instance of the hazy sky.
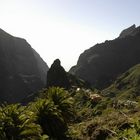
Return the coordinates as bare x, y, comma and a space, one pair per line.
65, 28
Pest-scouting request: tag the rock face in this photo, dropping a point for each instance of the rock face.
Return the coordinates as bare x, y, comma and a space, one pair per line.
22, 71
57, 76
102, 63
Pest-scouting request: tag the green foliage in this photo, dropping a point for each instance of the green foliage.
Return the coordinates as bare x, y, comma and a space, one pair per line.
59, 115
82, 99
62, 101
17, 123
53, 110
126, 86
49, 118
45, 118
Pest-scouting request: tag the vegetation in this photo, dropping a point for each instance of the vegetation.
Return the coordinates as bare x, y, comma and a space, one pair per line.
61, 115
116, 116
45, 118
126, 86
77, 114
16, 123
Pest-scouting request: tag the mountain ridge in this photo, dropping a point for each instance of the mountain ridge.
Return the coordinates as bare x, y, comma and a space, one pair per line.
106, 61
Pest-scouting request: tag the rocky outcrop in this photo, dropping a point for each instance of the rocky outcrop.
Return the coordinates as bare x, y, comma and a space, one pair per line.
102, 63
57, 76
22, 71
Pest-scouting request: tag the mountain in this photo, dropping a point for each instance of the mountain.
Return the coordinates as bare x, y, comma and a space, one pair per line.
22, 70
103, 63
126, 86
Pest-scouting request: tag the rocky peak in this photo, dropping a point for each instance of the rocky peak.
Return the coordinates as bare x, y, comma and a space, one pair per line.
57, 76
130, 31
56, 63
3, 33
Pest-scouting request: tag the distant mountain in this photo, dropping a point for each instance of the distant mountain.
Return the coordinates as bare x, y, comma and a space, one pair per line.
22, 70
127, 86
102, 63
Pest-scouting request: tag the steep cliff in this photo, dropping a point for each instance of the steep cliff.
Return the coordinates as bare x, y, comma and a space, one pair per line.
102, 63
22, 71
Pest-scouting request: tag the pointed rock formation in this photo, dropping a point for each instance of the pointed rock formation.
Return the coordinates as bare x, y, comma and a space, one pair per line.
57, 76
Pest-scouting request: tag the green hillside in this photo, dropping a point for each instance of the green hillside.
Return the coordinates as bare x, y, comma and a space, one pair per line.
126, 86
116, 116
77, 113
